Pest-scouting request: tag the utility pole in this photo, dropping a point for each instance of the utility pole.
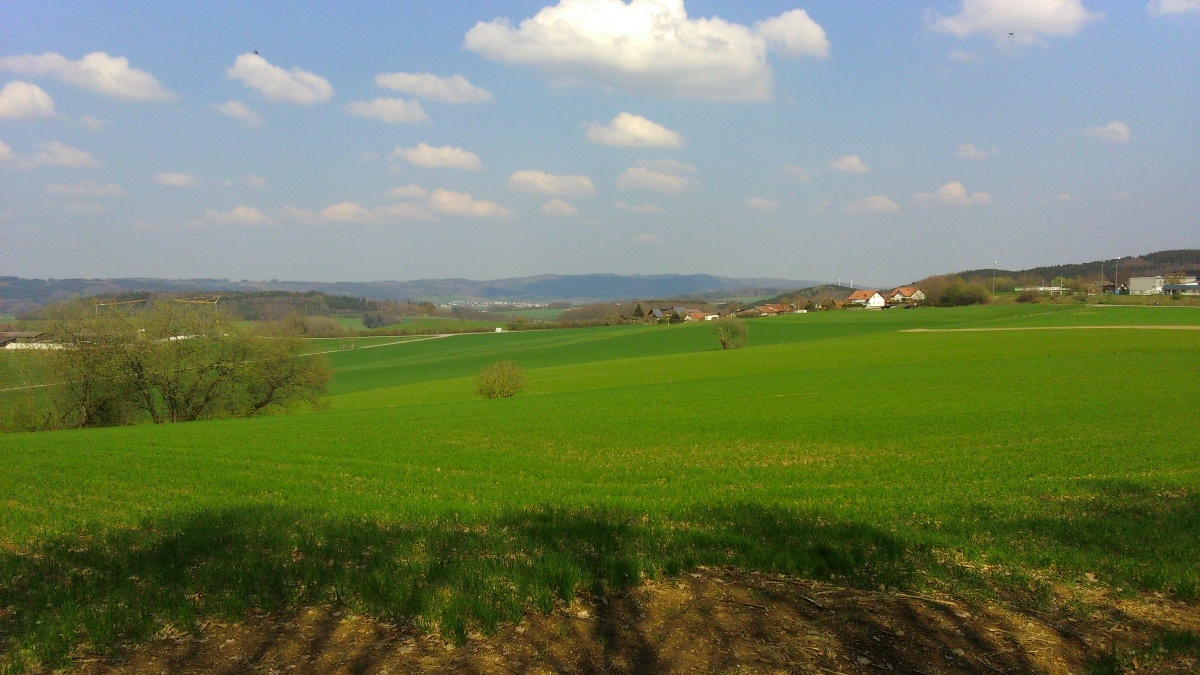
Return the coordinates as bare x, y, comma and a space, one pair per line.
994, 264
1100, 288
1117, 275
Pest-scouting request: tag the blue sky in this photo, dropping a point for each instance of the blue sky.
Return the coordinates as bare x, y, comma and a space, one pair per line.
877, 140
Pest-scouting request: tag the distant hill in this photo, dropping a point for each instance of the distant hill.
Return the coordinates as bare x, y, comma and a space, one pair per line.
1161, 263
20, 295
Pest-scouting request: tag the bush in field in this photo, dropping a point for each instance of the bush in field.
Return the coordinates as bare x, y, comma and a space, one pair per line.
170, 363
1032, 297
731, 331
500, 380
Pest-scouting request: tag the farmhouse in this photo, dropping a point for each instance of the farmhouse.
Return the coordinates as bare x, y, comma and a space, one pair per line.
904, 294
11, 338
772, 310
867, 298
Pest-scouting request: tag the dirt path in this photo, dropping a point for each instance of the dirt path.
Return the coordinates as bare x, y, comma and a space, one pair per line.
704, 622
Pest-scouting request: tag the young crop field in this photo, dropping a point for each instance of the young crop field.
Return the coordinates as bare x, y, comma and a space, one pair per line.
994, 453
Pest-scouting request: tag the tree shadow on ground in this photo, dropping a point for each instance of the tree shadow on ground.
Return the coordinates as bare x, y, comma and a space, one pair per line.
104, 589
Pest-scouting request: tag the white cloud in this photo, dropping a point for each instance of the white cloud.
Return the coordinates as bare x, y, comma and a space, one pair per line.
639, 208
1161, 7
455, 89
969, 151
646, 239
21, 99
542, 183
176, 179
99, 72
955, 194
558, 207
1064, 197
798, 172
407, 192
649, 47
1025, 19
405, 211
300, 87
255, 181
1113, 132
345, 212
849, 164
92, 122
444, 157
57, 154
761, 204
794, 33
390, 110
239, 111
873, 204
6, 152
86, 189
462, 204
666, 165
238, 215
959, 56
633, 131
639, 177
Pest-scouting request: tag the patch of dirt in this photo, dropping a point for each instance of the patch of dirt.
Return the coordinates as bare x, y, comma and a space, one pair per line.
706, 621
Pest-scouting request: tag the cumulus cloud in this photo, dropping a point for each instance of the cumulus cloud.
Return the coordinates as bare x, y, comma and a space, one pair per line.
462, 204
345, 212
23, 100
873, 204
455, 89
798, 172
648, 179
666, 165
1026, 19
6, 152
633, 131
954, 194
92, 122
86, 189
176, 179
649, 47
57, 154
1161, 7
239, 111
969, 151
98, 72
761, 204
542, 183
405, 211
1113, 132
239, 215
390, 110
639, 208
407, 192
300, 87
444, 157
558, 207
849, 164
646, 239
794, 33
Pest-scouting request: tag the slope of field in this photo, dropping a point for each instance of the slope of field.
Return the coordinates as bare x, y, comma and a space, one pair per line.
836, 447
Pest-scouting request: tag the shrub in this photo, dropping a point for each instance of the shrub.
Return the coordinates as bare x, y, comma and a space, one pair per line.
500, 380
731, 331
1029, 296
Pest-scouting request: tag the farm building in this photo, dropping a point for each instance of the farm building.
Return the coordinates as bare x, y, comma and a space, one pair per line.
12, 338
905, 294
867, 298
1158, 285
771, 310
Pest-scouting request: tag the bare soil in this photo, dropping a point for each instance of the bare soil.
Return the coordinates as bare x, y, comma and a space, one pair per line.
706, 621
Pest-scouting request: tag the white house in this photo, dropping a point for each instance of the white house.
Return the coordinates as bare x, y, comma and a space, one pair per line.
867, 298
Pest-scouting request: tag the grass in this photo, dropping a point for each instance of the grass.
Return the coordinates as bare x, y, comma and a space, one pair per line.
836, 447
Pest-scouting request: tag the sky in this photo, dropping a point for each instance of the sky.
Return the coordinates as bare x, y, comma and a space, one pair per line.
873, 140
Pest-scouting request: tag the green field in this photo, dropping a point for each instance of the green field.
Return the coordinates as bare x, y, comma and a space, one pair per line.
991, 464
